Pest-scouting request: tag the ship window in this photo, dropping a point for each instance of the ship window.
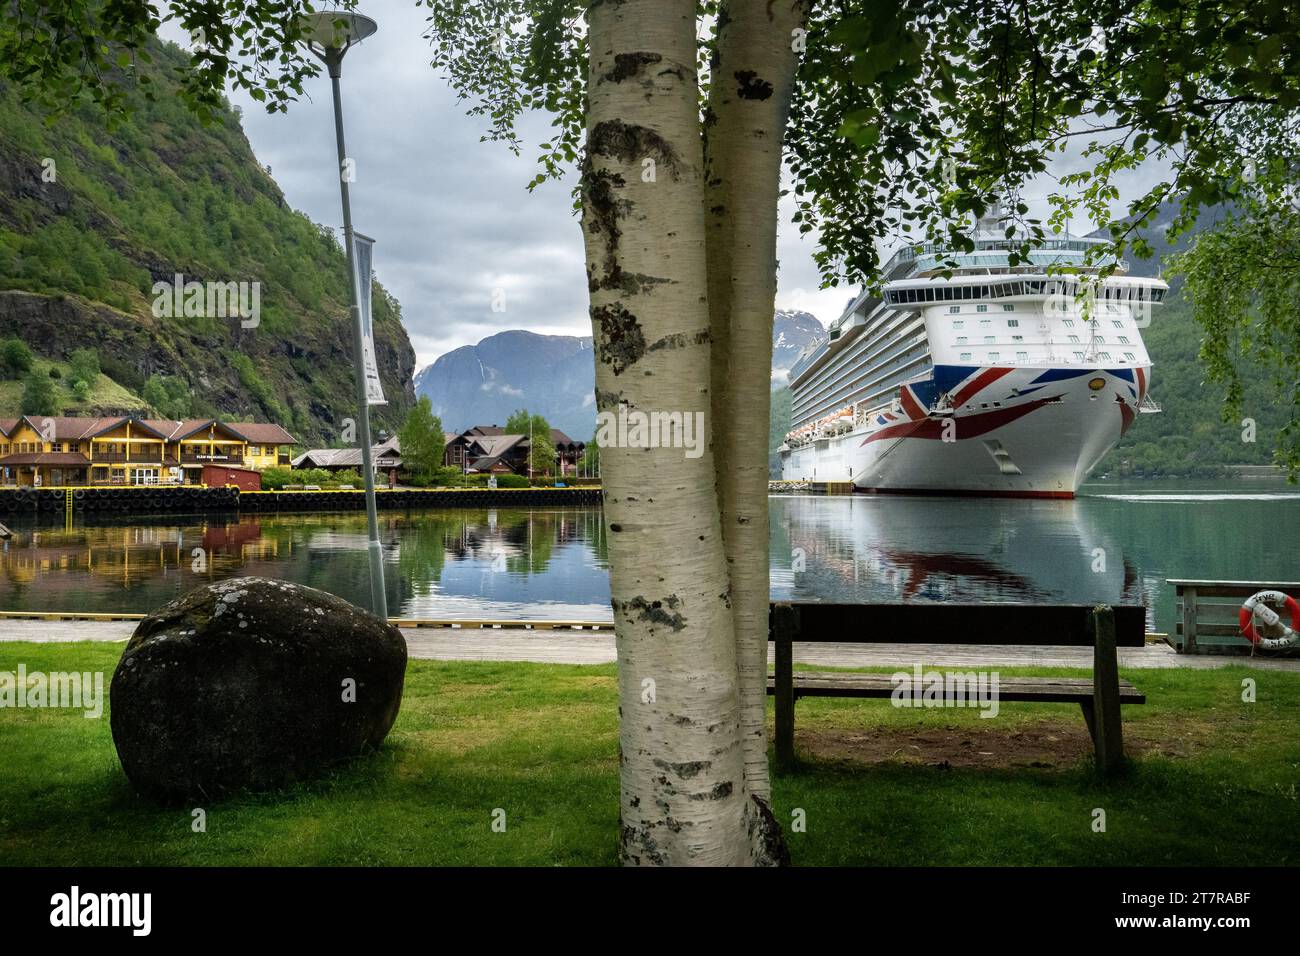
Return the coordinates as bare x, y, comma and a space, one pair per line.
1074, 338
1101, 340
1069, 323
961, 340
988, 340
1013, 323
954, 309
1022, 356
965, 356
993, 356
1078, 356
1104, 356
1123, 340
1009, 308
959, 324
1117, 323
1129, 356
1017, 338
981, 308
985, 323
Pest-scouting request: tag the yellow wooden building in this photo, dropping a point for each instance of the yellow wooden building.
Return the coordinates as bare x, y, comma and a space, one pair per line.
46, 451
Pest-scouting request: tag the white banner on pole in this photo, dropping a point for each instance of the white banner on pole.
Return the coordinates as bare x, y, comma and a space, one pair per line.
363, 255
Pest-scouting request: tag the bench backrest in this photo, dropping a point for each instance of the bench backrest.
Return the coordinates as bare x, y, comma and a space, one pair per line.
1049, 625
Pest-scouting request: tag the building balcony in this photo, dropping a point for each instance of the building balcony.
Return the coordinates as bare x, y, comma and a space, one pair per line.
135, 458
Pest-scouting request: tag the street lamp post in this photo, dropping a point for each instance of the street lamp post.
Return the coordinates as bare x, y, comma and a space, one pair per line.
329, 36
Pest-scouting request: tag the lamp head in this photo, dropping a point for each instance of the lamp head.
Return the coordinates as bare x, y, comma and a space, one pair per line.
330, 33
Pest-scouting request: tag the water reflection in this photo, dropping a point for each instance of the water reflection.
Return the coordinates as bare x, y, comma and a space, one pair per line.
542, 563
1119, 542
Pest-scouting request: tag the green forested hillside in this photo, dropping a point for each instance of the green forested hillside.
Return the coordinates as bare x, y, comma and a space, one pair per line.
1191, 437
91, 218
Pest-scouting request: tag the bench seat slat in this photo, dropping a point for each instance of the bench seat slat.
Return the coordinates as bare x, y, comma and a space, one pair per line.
1064, 690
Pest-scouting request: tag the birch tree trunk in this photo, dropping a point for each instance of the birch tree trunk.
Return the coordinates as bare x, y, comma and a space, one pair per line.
683, 798
749, 101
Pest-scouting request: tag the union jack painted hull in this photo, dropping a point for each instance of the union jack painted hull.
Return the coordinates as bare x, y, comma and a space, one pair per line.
988, 430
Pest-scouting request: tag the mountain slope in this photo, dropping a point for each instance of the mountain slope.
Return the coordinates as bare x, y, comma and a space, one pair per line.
550, 375
792, 333
553, 375
92, 218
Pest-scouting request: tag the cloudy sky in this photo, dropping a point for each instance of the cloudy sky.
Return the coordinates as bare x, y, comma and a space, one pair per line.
451, 218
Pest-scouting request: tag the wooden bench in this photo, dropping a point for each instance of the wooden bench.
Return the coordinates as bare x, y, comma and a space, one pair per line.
1064, 625
1206, 614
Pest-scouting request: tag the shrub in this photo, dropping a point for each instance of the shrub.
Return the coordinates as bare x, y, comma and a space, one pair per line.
84, 365
38, 396
273, 479
512, 481
15, 358
349, 476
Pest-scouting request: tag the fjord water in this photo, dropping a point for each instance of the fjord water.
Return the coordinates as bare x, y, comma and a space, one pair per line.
1116, 542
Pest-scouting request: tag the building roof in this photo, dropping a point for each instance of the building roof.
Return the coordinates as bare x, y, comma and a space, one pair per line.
559, 438
262, 433
65, 429
77, 429
498, 445
390, 453
489, 463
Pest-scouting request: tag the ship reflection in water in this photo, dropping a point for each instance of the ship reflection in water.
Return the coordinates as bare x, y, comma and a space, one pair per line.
857, 548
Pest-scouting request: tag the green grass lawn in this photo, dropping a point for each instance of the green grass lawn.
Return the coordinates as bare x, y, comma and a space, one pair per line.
1213, 780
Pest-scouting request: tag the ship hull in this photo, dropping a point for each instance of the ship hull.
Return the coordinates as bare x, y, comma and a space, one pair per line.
1020, 432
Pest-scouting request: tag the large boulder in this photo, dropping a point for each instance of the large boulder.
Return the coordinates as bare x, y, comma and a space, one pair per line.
250, 683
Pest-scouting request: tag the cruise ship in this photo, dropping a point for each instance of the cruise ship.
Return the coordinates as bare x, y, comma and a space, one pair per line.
990, 380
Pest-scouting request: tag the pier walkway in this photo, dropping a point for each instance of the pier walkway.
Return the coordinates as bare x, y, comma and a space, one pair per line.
560, 646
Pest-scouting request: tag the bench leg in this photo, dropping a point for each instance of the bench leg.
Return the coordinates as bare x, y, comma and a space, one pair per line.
1089, 718
1107, 731
784, 705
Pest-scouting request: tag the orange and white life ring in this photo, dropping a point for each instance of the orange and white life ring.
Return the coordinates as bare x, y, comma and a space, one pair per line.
1255, 608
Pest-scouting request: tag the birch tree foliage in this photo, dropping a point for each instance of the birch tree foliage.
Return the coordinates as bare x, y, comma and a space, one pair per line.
71, 51
984, 95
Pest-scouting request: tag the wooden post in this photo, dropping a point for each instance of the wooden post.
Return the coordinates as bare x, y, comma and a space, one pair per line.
1189, 619
1107, 732
785, 626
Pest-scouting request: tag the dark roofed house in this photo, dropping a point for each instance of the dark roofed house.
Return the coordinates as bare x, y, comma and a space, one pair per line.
485, 448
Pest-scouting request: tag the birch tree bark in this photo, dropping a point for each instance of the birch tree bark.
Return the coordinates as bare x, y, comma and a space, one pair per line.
684, 796
749, 102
